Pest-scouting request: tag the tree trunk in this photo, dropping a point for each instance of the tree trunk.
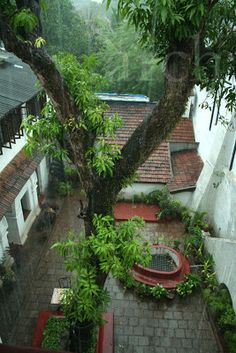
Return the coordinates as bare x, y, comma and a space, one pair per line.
153, 130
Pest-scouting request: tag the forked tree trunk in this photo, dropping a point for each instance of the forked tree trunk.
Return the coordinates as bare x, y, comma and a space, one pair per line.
150, 133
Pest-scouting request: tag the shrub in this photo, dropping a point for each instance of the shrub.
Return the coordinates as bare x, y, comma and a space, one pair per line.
230, 339
54, 330
158, 291
65, 188
186, 288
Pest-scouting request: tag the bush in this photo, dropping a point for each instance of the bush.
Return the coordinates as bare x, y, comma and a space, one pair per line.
65, 188
230, 339
186, 288
53, 333
158, 291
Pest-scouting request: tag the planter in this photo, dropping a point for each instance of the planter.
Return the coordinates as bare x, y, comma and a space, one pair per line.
105, 333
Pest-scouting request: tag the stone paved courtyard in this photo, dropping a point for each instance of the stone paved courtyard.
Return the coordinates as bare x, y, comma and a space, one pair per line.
141, 325
167, 326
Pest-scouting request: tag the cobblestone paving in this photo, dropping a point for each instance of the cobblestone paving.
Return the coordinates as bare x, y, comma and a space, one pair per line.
46, 274
169, 326
141, 326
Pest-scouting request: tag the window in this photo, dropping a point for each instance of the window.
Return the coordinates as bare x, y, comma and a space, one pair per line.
25, 205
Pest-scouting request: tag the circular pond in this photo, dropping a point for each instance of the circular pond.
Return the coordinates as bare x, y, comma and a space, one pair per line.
167, 267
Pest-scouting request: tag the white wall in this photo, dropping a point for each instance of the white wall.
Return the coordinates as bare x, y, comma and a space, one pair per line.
3, 236
18, 226
223, 251
43, 174
216, 189
185, 197
139, 188
10, 153
216, 186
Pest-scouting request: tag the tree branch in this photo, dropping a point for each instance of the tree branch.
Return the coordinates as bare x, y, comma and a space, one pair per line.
155, 128
55, 87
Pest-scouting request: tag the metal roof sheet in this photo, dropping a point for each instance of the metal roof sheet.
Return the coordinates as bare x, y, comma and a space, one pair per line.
17, 83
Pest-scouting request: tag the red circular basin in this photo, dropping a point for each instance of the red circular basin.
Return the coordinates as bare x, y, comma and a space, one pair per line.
168, 267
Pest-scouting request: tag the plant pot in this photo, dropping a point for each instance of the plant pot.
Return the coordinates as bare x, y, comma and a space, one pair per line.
80, 336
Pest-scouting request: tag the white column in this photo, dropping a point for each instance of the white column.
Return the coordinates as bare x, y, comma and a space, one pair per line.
3, 236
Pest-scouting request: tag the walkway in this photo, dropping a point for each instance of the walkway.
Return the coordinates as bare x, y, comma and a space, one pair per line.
45, 273
166, 326
141, 326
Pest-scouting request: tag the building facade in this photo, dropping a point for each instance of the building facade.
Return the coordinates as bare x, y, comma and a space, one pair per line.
215, 131
23, 179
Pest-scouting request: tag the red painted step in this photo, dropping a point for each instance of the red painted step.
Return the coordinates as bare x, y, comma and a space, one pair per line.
124, 211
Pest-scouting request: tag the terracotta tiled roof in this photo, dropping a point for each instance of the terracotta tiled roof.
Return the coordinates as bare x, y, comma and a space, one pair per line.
156, 168
183, 132
186, 166
14, 177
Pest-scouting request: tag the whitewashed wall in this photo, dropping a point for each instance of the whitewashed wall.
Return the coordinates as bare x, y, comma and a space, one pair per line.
43, 174
3, 236
139, 188
18, 227
185, 197
10, 153
223, 251
216, 187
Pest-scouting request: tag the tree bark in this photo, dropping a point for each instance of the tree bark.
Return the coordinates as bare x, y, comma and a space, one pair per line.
55, 87
155, 128
101, 192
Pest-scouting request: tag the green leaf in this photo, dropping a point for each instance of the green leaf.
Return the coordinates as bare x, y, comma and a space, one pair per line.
24, 19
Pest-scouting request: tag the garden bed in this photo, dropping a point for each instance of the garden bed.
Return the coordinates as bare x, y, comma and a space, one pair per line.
105, 333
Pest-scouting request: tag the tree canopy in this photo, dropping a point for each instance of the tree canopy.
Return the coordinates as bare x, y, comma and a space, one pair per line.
183, 34
195, 40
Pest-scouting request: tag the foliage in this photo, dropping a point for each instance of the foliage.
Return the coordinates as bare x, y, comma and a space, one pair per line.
208, 273
39, 42
230, 339
64, 29
126, 66
24, 19
220, 306
65, 188
43, 134
158, 291
168, 205
164, 24
228, 318
118, 249
47, 133
108, 249
55, 328
7, 275
218, 300
185, 288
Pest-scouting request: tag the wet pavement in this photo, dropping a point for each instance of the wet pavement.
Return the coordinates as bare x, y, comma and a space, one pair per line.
166, 326
141, 325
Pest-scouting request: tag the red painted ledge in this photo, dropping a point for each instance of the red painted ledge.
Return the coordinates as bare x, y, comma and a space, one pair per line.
105, 342
125, 210
9, 348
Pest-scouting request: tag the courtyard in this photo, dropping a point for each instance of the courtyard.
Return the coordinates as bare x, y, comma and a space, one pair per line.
141, 325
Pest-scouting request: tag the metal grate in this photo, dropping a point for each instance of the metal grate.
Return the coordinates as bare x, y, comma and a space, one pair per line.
162, 262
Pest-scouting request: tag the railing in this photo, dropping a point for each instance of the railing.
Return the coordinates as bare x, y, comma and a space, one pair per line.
10, 128
11, 124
